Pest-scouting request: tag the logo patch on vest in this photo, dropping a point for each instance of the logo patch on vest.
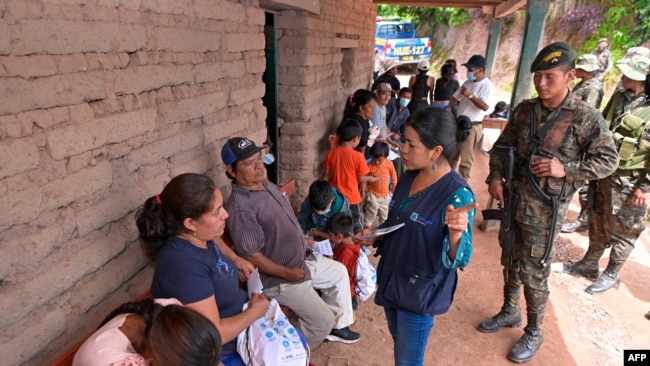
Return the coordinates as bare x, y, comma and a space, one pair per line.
416, 217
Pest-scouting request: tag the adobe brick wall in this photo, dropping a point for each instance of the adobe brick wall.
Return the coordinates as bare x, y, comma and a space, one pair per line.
102, 102
314, 79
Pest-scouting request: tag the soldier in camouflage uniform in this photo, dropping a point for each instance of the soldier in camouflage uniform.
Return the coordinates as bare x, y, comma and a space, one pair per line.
618, 217
584, 150
590, 91
604, 59
633, 51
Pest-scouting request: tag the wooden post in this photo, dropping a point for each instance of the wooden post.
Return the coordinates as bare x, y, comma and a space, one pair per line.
536, 12
493, 43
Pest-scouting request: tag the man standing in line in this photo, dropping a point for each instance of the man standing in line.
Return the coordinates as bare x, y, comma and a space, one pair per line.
388, 76
590, 91
559, 143
473, 99
620, 207
604, 59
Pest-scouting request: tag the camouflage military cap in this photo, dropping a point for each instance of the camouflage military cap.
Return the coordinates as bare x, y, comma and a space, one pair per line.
640, 51
552, 56
635, 67
588, 63
603, 40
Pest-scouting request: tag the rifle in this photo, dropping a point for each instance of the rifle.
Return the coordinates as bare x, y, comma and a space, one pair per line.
506, 213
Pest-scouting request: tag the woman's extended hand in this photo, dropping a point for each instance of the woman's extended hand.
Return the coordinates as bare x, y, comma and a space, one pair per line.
258, 303
457, 219
245, 268
365, 232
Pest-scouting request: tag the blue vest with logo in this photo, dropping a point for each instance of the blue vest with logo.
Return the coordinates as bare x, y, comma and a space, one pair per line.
410, 274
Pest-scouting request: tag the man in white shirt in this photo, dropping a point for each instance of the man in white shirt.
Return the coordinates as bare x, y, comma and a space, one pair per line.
383, 95
472, 100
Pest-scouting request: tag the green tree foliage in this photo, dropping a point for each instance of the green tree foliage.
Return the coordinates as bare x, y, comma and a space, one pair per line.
626, 23
432, 17
642, 15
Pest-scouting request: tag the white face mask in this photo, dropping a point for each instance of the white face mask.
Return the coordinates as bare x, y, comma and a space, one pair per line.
324, 212
471, 76
269, 159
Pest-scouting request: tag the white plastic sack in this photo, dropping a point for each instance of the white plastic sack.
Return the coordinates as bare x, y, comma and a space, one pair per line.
271, 340
366, 277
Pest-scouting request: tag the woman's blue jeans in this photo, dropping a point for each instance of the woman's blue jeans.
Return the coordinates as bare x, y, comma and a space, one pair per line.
410, 333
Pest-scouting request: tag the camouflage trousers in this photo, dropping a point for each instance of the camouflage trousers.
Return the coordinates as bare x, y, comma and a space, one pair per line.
526, 268
614, 221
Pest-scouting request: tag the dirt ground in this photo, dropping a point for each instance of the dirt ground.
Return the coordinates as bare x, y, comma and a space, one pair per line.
579, 328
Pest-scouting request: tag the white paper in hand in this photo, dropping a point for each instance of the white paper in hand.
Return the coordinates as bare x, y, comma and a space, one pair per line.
254, 283
323, 247
380, 232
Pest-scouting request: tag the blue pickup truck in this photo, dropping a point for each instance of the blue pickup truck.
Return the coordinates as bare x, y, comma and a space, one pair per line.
395, 39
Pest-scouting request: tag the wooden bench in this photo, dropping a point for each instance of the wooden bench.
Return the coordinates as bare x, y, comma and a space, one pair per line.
67, 358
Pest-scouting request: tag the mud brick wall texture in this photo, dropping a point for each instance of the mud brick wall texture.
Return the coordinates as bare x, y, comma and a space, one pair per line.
102, 102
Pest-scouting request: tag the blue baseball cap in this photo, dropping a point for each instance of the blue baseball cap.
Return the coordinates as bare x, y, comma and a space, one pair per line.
238, 148
475, 61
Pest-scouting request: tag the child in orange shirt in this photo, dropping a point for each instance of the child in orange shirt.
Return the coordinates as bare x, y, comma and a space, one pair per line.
339, 228
379, 192
346, 168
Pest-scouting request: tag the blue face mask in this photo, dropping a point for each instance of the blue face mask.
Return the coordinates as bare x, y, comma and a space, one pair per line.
404, 102
471, 76
269, 159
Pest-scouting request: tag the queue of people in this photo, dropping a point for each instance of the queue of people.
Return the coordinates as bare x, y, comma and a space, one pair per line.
561, 142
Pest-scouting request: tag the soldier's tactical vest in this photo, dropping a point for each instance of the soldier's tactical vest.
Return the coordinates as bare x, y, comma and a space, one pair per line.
550, 137
632, 143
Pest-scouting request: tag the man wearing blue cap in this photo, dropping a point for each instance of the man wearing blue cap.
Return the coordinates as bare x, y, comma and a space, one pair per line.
472, 99
559, 143
266, 232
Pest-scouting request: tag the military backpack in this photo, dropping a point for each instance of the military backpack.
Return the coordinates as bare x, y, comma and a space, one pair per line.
632, 140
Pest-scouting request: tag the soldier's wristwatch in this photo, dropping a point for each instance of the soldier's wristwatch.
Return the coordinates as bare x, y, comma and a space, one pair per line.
470, 96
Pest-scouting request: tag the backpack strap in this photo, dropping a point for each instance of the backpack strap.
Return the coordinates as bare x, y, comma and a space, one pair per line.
612, 106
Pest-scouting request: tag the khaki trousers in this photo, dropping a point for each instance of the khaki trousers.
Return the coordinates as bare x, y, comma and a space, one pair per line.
466, 150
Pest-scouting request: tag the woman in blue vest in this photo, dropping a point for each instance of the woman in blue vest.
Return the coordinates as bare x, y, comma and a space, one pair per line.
417, 271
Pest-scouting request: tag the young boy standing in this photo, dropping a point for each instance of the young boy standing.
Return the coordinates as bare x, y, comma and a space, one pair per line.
346, 168
339, 228
379, 192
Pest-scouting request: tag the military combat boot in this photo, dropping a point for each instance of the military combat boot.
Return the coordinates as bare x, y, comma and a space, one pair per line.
509, 316
583, 267
587, 266
530, 342
580, 224
608, 279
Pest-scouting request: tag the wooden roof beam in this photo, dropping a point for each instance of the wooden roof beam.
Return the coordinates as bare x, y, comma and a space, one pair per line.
508, 7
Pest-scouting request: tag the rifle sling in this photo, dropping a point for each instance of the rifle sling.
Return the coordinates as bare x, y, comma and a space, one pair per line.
557, 126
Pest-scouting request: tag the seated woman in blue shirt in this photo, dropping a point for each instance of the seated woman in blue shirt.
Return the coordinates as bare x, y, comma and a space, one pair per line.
178, 229
416, 274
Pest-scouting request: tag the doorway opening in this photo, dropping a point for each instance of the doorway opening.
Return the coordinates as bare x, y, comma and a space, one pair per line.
270, 99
